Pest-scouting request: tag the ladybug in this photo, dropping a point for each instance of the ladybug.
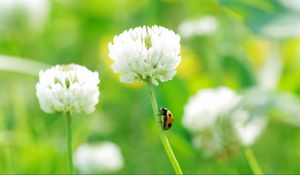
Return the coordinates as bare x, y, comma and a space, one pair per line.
167, 118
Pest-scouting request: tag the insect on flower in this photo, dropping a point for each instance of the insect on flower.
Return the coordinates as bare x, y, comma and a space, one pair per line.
167, 118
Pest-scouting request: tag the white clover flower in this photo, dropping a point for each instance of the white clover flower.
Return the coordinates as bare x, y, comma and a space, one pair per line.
98, 158
248, 129
145, 53
203, 109
203, 26
68, 88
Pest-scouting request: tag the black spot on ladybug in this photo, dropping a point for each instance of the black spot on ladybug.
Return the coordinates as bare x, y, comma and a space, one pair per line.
169, 125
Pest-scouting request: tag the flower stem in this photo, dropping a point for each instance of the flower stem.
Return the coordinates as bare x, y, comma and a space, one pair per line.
252, 161
69, 143
162, 135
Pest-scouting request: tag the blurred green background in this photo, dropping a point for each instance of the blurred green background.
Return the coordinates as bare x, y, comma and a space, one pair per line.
255, 42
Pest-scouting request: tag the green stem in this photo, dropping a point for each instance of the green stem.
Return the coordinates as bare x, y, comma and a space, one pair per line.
252, 161
162, 135
69, 143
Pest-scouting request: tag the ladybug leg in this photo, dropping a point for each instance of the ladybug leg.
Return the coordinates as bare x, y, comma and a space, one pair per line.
160, 117
160, 120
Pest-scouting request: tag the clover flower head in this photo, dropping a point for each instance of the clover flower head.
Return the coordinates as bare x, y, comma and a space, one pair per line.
145, 54
98, 158
68, 88
203, 109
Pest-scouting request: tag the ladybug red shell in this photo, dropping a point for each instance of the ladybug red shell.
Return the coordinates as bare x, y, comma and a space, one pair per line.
167, 118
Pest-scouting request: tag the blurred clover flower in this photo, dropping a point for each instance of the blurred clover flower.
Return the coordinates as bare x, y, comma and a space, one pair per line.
218, 122
35, 11
145, 53
98, 158
203, 109
68, 88
205, 116
198, 27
